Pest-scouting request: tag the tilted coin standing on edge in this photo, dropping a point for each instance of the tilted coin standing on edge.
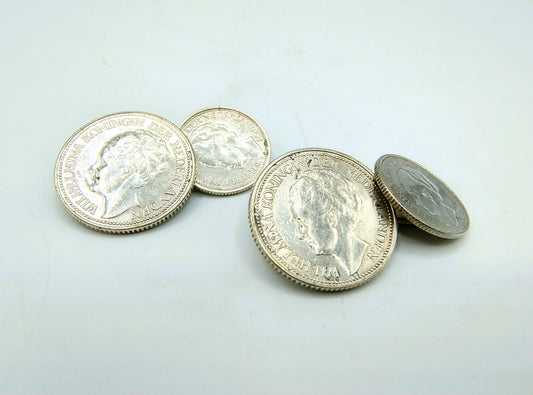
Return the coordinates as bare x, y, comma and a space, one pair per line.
421, 197
125, 172
319, 219
231, 149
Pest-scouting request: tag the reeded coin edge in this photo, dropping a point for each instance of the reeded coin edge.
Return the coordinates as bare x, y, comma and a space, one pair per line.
403, 211
371, 273
230, 192
120, 229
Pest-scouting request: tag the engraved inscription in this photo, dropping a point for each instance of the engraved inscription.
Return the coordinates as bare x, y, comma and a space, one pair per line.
111, 124
80, 199
280, 248
71, 160
380, 243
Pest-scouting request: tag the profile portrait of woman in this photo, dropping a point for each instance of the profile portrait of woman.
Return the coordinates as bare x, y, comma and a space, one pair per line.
217, 146
326, 208
425, 195
129, 171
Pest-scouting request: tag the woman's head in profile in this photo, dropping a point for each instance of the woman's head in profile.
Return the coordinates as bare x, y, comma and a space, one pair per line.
325, 207
218, 146
130, 170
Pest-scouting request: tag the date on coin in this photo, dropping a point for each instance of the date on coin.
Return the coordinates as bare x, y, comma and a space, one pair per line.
319, 219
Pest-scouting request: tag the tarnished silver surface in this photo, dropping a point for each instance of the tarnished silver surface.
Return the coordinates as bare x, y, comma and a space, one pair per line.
422, 198
125, 172
318, 217
231, 149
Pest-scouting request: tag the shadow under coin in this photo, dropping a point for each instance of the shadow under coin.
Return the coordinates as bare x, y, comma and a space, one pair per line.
415, 235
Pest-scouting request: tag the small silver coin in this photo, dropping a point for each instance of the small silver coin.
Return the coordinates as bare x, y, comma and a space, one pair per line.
231, 149
421, 197
319, 219
125, 172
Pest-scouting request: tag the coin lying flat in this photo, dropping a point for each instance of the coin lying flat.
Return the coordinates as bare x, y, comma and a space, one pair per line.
231, 149
125, 172
319, 219
422, 198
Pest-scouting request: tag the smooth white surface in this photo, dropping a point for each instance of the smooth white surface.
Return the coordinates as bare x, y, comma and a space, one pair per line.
191, 306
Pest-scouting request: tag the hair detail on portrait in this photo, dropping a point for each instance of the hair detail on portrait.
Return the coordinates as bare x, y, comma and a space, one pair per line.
326, 208
426, 195
217, 146
127, 168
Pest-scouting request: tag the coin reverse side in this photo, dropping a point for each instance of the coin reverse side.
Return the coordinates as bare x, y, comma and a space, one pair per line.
421, 197
319, 219
231, 149
125, 172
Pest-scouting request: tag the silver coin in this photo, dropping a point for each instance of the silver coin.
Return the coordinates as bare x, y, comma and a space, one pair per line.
125, 172
421, 197
231, 149
319, 219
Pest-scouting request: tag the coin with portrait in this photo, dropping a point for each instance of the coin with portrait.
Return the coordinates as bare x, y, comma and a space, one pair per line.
125, 172
421, 197
318, 217
231, 149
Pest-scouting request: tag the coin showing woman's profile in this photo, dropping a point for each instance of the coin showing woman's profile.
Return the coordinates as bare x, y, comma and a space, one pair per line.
319, 219
125, 172
421, 197
231, 149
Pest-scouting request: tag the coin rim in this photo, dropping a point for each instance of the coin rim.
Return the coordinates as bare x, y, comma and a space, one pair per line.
269, 257
402, 210
215, 192
115, 228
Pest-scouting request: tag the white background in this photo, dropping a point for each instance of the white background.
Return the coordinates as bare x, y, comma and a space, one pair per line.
191, 306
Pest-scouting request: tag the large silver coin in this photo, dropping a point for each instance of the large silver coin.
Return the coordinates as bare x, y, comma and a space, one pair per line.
231, 149
125, 172
421, 197
319, 219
